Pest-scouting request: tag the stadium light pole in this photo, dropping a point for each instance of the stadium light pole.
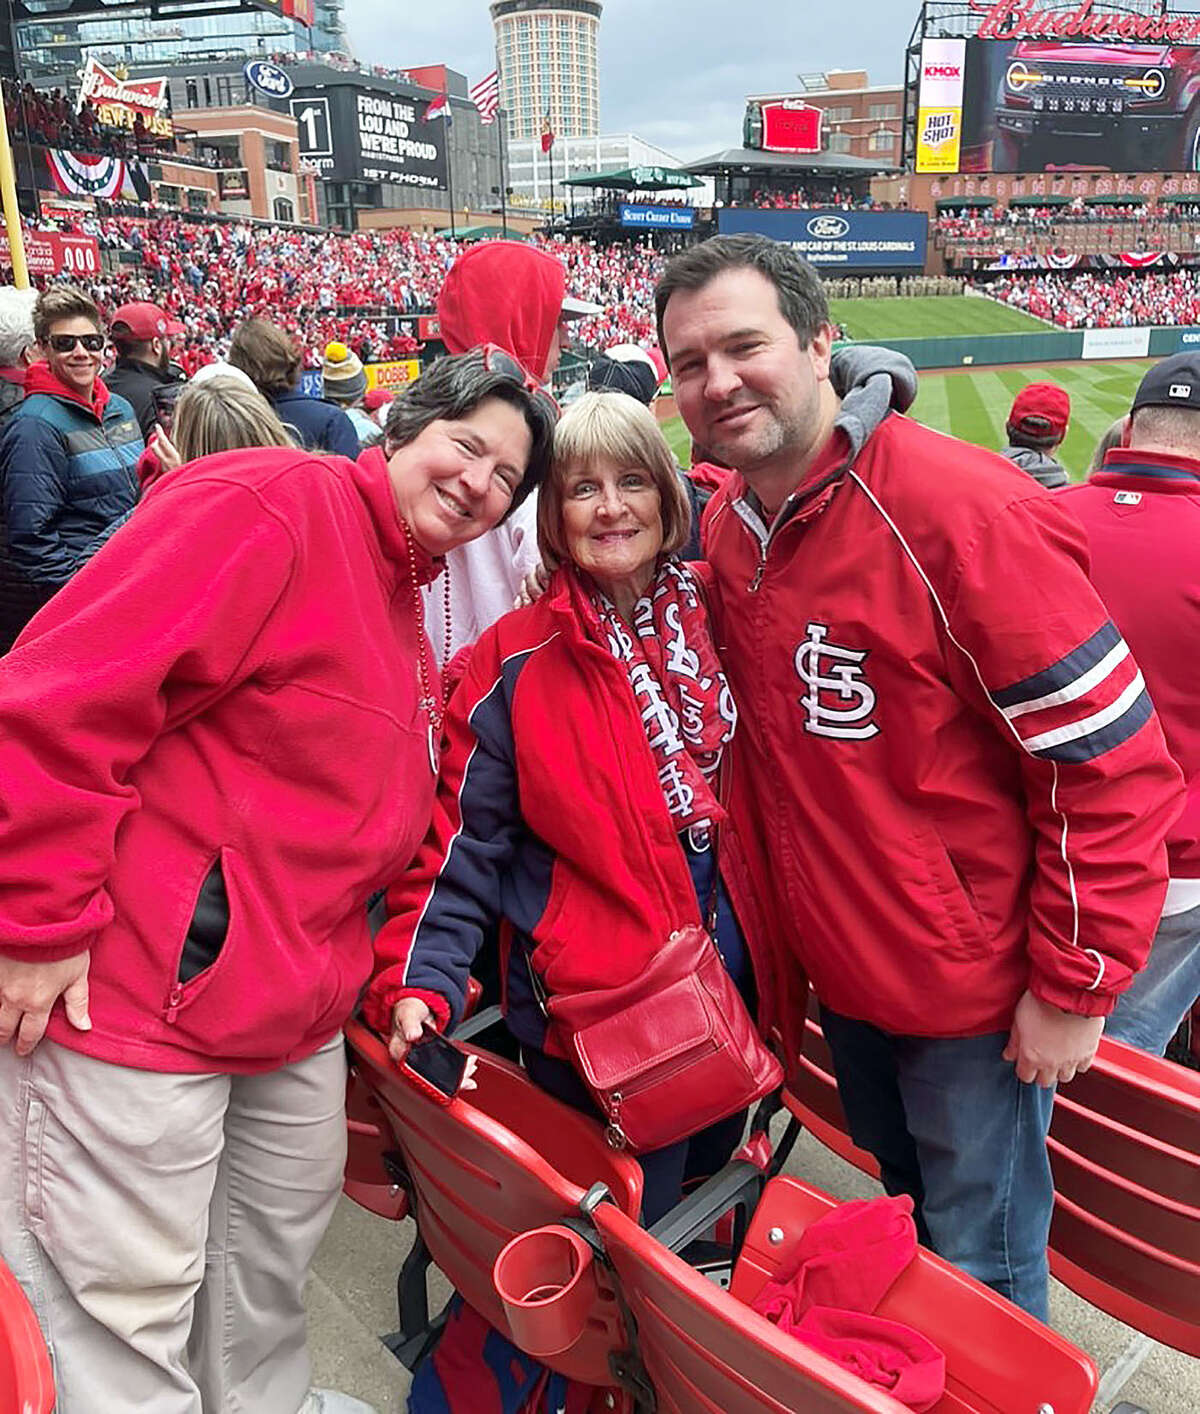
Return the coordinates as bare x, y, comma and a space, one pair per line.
12, 212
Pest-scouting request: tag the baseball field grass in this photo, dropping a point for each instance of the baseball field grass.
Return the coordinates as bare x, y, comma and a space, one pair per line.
930, 318
973, 404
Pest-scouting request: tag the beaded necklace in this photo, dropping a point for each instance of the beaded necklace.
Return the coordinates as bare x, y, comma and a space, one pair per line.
429, 704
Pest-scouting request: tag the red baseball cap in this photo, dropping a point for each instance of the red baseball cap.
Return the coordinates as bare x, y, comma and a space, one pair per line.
144, 321
378, 398
1041, 410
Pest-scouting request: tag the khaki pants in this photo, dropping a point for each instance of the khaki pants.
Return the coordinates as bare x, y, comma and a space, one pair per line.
162, 1225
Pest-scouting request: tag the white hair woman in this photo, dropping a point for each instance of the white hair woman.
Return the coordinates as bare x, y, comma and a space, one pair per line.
579, 797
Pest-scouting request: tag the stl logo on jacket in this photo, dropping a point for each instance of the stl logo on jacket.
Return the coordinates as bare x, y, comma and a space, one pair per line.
839, 701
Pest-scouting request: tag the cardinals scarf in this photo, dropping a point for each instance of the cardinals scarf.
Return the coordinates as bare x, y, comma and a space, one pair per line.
681, 693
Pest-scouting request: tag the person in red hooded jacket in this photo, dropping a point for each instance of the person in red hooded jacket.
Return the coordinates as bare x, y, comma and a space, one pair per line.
514, 296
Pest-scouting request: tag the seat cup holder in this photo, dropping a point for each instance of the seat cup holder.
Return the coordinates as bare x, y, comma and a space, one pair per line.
547, 1285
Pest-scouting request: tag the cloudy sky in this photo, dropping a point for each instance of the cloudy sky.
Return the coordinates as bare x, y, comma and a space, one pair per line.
676, 72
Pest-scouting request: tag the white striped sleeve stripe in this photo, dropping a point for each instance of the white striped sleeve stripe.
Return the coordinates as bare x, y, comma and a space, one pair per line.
1086, 725
1082, 684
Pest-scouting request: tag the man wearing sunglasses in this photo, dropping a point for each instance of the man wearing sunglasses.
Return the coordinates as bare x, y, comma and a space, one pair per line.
510, 298
68, 455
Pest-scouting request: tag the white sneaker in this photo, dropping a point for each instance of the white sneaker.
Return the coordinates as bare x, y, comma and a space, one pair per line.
332, 1401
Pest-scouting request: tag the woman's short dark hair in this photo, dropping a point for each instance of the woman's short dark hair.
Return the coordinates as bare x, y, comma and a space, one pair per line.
267, 354
454, 388
62, 302
798, 287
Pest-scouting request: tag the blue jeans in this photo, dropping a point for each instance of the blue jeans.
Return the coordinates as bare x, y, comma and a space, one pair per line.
952, 1126
1162, 994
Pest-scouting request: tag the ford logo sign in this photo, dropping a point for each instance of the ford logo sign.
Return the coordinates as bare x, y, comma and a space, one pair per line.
268, 78
828, 228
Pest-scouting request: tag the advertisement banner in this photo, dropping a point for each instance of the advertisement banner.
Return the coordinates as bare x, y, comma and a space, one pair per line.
1116, 343
233, 184
353, 134
119, 102
940, 104
853, 240
429, 326
665, 218
51, 253
791, 125
1042, 105
392, 375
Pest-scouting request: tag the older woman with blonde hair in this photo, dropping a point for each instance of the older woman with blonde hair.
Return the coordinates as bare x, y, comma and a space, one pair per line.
579, 797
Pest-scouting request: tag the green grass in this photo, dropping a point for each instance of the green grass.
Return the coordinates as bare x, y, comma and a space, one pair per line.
973, 405
929, 318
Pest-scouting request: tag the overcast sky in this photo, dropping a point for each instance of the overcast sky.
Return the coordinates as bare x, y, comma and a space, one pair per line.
676, 72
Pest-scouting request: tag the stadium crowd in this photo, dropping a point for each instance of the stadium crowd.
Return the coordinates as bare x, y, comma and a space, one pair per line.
323, 286
1103, 301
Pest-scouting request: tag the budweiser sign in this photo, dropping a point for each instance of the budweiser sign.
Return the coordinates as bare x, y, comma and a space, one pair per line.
1033, 19
119, 101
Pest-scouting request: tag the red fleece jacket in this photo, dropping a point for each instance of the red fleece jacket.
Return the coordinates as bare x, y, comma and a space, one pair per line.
212, 755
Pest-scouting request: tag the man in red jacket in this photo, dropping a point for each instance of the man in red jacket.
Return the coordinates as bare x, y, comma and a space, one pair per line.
1142, 517
947, 756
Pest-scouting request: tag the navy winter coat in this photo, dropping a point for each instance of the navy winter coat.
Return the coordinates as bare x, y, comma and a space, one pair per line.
68, 479
322, 426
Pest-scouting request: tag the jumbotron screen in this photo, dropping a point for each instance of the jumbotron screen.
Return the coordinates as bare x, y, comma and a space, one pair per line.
1029, 105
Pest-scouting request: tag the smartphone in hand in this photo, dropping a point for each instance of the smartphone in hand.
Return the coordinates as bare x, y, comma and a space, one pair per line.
438, 1067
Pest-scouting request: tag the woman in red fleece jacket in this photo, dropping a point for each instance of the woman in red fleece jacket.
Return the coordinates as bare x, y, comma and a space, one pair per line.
215, 743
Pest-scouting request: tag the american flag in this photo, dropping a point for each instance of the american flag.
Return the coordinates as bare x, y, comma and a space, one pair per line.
486, 96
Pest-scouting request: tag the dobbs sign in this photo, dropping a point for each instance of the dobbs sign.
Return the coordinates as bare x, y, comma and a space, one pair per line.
393, 375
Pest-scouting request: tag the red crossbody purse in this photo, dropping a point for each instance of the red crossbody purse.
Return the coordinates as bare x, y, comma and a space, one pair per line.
671, 1052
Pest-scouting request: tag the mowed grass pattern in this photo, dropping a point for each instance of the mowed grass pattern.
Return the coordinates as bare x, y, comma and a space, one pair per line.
933, 317
974, 405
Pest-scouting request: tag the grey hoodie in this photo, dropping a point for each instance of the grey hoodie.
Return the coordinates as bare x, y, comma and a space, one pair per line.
1039, 465
871, 382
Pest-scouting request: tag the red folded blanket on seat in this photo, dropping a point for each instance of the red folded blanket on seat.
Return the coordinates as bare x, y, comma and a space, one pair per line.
884, 1353
827, 1292
848, 1260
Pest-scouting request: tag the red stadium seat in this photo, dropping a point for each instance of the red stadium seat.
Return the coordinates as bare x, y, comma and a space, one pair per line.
481, 1170
1125, 1150
703, 1349
26, 1380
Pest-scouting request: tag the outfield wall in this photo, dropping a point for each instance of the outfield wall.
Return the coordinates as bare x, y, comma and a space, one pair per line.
1054, 346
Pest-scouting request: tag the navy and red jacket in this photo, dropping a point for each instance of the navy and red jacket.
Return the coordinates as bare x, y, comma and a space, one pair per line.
949, 778
549, 814
1142, 517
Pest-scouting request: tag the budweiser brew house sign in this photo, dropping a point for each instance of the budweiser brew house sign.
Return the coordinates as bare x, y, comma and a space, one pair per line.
119, 101
1034, 19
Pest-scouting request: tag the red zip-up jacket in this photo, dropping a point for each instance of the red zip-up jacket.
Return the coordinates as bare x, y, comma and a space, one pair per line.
549, 813
949, 776
1142, 517
211, 755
